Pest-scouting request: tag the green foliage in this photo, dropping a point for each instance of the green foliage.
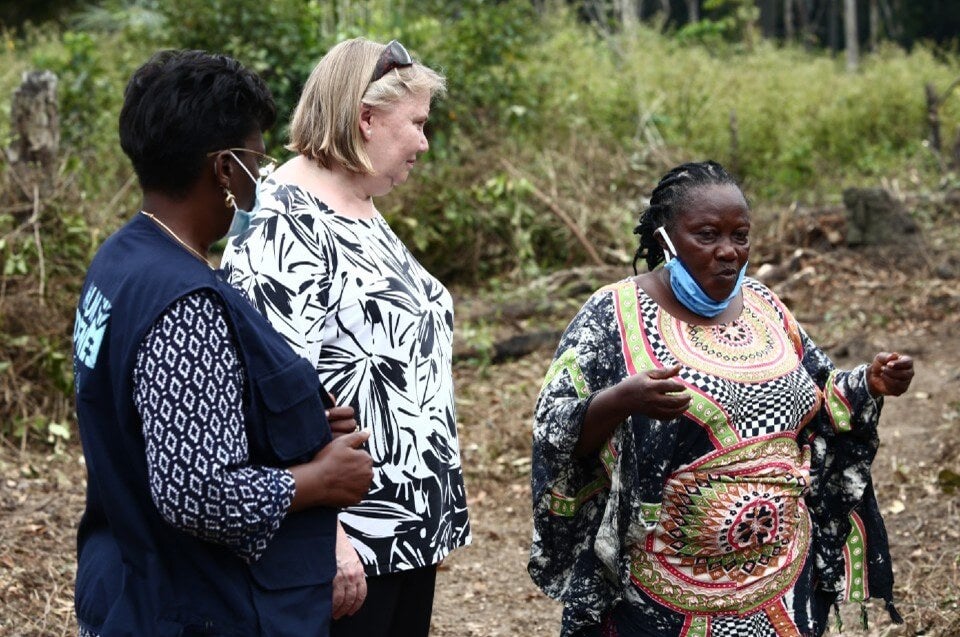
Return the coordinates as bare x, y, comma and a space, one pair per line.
281, 40
547, 122
482, 49
727, 21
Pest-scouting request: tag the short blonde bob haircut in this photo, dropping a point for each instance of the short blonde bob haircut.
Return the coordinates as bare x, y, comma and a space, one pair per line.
326, 122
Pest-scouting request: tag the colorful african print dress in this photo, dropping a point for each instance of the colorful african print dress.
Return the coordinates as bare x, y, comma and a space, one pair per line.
748, 516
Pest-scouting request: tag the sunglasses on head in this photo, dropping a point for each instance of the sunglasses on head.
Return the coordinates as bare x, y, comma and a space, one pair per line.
395, 56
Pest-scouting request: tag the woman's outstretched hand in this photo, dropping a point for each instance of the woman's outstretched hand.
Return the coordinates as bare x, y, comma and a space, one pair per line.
889, 374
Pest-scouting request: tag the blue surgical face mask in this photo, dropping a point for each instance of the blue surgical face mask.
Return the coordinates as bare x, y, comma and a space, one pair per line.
686, 288
241, 218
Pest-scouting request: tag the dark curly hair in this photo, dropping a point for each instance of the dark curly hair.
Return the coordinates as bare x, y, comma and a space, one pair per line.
181, 105
668, 198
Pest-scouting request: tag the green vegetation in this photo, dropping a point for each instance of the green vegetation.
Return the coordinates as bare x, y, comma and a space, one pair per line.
546, 117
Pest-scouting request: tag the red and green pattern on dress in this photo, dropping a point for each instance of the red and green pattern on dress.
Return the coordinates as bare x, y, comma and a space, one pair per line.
753, 348
734, 531
781, 620
638, 356
855, 561
777, 614
567, 362
713, 418
838, 407
695, 626
567, 506
678, 594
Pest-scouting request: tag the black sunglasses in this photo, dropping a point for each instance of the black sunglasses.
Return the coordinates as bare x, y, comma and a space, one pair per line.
395, 56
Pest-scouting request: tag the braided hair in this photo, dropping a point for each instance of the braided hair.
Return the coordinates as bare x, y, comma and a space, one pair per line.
666, 201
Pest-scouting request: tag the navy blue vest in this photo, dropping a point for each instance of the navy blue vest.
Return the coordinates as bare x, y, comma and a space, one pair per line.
136, 574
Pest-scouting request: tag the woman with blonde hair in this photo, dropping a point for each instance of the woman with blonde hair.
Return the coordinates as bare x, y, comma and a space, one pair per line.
325, 268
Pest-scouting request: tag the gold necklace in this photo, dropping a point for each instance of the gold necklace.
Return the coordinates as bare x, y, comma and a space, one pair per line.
173, 234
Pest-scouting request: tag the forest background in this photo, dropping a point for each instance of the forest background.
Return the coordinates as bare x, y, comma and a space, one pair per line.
560, 117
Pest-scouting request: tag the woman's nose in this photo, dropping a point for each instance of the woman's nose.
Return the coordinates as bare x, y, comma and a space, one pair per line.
726, 251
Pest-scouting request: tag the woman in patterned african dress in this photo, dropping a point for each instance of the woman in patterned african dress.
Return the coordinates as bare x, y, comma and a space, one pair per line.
700, 467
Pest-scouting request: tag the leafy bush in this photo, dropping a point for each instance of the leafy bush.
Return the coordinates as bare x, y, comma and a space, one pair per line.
547, 123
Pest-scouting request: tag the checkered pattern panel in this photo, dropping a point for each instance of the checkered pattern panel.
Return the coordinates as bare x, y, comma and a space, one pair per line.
719, 389
648, 316
756, 409
188, 387
755, 625
773, 406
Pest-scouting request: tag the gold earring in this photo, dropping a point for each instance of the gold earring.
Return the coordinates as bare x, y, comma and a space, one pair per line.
229, 200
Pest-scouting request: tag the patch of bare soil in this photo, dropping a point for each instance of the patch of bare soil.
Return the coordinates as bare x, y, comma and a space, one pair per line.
853, 303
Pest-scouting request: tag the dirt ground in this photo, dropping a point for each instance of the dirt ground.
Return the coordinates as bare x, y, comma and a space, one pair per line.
852, 303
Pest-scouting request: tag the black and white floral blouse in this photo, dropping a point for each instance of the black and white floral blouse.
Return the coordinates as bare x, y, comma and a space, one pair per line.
350, 297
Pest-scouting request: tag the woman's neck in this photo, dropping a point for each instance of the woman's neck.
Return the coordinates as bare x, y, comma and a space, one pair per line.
343, 191
180, 218
657, 286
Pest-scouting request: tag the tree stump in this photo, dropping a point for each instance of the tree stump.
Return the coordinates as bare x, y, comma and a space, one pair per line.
875, 217
35, 127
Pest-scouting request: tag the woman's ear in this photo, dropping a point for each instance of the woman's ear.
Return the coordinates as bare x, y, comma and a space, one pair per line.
660, 234
223, 169
366, 121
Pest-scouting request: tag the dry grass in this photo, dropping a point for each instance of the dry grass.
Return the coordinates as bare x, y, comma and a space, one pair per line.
851, 302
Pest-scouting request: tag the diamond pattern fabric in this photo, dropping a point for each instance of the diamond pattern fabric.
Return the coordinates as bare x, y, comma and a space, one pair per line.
188, 389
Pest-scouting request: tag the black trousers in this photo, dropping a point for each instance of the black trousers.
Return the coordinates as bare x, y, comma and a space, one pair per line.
397, 605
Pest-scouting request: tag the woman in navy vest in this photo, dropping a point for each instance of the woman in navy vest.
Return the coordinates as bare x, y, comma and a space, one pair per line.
214, 477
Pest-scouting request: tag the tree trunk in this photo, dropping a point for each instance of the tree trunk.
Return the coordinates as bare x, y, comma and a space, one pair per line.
833, 25
693, 11
789, 31
851, 35
734, 144
874, 24
889, 16
768, 18
804, 31
933, 117
665, 10
35, 132
628, 15
35, 120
